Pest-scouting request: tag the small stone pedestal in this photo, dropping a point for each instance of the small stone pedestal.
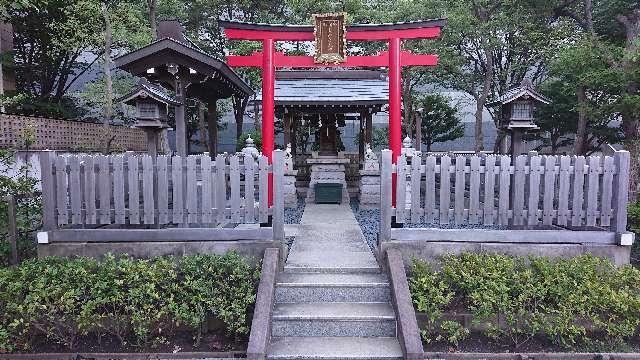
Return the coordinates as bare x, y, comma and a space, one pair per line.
369, 189
370, 180
290, 192
327, 169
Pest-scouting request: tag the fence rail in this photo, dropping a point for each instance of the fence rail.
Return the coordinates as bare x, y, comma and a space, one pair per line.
138, 190
534, 191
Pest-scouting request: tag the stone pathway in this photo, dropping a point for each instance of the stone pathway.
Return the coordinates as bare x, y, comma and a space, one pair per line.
332, 300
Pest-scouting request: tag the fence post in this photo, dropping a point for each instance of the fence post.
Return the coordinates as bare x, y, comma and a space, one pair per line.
621, 197
278, 195
13, 229
47, 158
385, 198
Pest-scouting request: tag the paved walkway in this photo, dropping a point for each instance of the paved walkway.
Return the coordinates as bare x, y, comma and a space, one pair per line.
329, 237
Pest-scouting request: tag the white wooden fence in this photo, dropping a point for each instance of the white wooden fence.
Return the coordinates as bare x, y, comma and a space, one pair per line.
94, 190
566, 191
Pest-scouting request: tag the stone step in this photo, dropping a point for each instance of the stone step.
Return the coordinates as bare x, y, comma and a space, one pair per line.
331, 270
332, 279
334, 348
315, 288
334, 319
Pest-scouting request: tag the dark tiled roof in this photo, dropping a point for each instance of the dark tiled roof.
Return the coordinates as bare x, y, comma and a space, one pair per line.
318, 91
154, 91
525, 89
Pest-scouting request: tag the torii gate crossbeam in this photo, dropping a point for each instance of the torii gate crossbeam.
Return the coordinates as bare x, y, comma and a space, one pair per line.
268, 59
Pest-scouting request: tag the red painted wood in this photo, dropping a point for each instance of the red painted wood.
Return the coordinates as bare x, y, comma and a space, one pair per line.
395, 105
367, 35
381, 60
268, 105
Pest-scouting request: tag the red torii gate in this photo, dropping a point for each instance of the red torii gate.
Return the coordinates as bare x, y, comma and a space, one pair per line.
269, 59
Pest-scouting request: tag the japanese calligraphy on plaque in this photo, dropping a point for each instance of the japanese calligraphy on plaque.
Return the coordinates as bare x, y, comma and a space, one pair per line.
330, 33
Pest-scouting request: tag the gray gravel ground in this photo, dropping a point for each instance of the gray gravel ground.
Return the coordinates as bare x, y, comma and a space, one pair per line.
369, 220
294, 215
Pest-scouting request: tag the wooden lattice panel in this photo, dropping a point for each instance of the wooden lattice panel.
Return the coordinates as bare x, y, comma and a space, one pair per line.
55, 134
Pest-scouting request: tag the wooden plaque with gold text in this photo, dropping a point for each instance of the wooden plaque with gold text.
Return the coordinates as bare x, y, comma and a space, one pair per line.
330, 34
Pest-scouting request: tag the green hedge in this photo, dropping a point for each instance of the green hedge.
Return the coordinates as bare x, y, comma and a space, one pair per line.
138, 302
569, 301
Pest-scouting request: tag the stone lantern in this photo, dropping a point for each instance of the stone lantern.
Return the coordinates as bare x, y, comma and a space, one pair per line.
152, 106
517, 112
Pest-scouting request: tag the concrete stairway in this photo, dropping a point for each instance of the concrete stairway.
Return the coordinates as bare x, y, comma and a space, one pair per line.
332, 301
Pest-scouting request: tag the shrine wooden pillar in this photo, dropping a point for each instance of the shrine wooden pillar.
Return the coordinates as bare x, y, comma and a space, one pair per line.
286, 123
181, 126
361, 141
368, 131
212, 127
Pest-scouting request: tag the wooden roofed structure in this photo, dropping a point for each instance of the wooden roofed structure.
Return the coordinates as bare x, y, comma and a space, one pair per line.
177, 64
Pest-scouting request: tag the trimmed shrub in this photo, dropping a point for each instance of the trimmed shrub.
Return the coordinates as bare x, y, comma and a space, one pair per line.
139, 302
514, 299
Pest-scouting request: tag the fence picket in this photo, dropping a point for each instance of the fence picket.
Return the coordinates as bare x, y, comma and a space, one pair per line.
607, 191
401, 189
578, 191
148, 200
61, 190
89, 189
76, 196
234, 177
518, 189
192, 190
593, 182
459, 189
489, 189
263, 187
118, 190
429, 188
249, 188
206, 194
176, 180
534, 190
445, 188
505, 190
416, 178
221, 188
134, 189
163, 189
564, 187
474, 190
549, 189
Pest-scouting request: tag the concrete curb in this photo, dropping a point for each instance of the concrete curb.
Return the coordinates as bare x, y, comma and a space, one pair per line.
408, 331
261, 323
530, 356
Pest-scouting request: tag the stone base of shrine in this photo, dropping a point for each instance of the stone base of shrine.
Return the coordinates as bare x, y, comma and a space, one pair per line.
327, 170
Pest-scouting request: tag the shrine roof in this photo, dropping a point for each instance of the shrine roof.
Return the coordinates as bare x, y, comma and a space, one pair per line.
421, 24
330, 88
146, 89
213, 73
525, 89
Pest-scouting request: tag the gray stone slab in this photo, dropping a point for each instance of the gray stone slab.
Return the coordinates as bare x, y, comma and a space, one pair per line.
334, 311
329, 280
334, 348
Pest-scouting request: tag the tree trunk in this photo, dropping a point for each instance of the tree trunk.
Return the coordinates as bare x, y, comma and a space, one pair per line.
256, 113
630, 121
481, 100
108, 104
580, 146
212, 124
239, 106
152, 18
